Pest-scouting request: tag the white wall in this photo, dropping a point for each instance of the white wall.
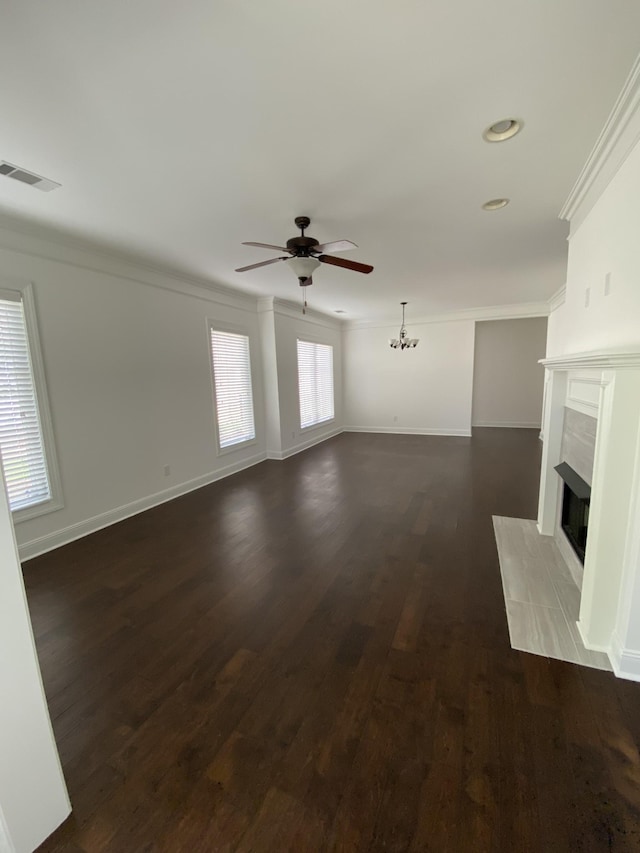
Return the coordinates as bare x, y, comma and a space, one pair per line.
422, 390
129, 380
605, 243
507, 380
33, 797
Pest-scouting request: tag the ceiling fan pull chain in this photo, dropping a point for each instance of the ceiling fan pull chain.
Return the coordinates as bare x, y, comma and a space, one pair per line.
304, 298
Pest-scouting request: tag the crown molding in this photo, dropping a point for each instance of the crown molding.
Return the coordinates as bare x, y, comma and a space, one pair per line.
294, 311
265, 304
17, 235
619, 135
558, 298
604, 359
493, 312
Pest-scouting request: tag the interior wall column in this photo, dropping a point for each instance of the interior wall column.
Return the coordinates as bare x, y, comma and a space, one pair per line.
267, 323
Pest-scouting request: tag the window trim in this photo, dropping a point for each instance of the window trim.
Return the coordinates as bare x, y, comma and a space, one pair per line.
214, 326
25, 289
319, 424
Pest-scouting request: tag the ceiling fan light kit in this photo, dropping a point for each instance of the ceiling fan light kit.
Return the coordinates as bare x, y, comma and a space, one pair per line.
303, 267
403, 341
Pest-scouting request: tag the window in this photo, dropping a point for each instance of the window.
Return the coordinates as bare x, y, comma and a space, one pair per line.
26, 439
315, 383
232, 383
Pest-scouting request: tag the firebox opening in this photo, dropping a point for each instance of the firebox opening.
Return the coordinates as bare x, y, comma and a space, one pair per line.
575, 508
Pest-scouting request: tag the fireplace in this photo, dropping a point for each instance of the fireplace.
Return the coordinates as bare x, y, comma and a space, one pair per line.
575, 508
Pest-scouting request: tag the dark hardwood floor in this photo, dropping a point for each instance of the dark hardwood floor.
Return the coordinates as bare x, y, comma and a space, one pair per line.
313, 655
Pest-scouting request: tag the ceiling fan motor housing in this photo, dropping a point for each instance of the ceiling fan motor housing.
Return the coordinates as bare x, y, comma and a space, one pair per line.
302, 246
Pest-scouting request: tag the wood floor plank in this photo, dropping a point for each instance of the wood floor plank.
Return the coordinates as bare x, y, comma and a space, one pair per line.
313, 655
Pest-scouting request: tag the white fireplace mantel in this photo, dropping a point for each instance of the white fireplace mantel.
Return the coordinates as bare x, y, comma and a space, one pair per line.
610, 602
615, 359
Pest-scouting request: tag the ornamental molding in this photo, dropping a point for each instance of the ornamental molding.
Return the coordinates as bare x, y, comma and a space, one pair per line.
617, 139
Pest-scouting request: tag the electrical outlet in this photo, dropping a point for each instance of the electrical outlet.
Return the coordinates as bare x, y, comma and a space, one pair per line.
587, 296
607, 284
167, 470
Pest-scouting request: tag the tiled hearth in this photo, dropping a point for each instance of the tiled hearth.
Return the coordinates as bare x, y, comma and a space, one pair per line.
542, 600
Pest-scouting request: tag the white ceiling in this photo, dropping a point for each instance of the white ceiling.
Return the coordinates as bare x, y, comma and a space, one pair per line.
178, 130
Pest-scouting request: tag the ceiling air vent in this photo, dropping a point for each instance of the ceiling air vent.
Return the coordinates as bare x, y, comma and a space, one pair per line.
9, 170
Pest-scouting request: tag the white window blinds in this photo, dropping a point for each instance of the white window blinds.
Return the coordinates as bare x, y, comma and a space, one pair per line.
21, 441
315, 382
232, 380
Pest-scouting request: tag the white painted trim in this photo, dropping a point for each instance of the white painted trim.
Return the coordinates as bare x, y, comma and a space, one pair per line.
27, 297
408, 430
491, 312
508, 424
582, 407
605, 359
593, 646
42, 544
583, 404
305, 445
35, 241
558, 298
294, 311
625, 662
555, 395
618, 137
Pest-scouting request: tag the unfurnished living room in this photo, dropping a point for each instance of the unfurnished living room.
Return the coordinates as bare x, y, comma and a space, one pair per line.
320, 426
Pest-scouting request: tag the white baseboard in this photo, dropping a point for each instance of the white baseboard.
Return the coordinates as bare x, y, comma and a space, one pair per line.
409, 430
625, 662
508, 424
305, 445
594, 647
42, 544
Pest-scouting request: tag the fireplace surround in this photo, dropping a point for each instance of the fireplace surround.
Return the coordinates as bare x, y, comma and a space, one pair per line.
608, 380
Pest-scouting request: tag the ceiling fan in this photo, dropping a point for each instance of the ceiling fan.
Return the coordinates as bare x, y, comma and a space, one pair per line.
305, 254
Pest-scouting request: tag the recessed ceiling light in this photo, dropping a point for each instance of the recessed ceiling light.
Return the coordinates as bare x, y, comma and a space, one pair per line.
495, 204
499, 131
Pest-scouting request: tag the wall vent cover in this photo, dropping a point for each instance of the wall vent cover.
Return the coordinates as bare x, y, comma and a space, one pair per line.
9, 170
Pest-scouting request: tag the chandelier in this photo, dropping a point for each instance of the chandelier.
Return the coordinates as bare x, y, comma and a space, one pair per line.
403, 341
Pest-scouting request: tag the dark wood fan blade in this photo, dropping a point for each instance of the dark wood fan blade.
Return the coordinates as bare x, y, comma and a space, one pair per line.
343, 262
267, 246
261, 264
336, 246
